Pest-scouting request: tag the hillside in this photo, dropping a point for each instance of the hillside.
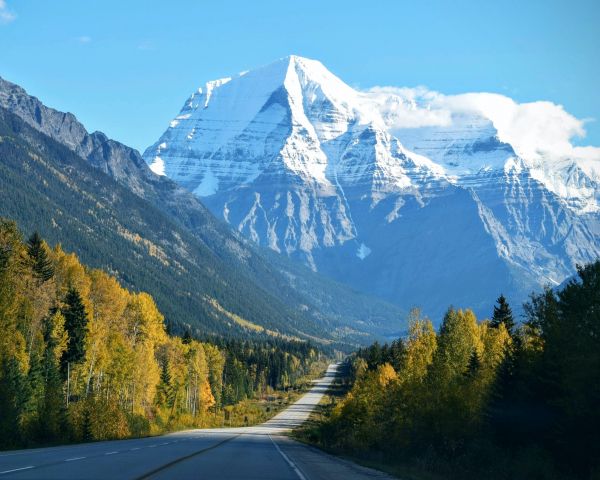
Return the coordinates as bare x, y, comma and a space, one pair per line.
300, 295
47, 187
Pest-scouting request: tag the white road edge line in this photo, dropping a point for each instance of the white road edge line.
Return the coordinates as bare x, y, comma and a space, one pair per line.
74, 458
110, 453
287, 459
16, 469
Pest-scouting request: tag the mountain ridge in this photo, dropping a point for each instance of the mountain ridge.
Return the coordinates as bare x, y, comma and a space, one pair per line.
126, 166
300, 162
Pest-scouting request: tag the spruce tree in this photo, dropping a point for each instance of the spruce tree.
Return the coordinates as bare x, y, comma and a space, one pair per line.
474, 365
42, 265
12, 399
165, 389
503, 314
52, 415
87, 429
75, 326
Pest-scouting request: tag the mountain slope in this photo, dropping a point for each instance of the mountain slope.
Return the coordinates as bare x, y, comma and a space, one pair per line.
299, 162
310, 297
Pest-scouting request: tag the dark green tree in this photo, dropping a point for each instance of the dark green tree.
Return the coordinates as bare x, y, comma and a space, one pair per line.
570, 367
187, 337
52, 419
75, 326
12, 398
42, 265
87, 433
503, 315
34, 392
164, 391
474, 365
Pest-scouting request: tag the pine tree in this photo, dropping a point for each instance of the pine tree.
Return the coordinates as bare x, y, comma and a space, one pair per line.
503, 314
75, 326
35, 386
87, 431
165, 391
52, 418
12, 387
42, 265
474, 365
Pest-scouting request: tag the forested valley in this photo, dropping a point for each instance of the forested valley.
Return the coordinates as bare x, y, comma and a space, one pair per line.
82, 358
494, 399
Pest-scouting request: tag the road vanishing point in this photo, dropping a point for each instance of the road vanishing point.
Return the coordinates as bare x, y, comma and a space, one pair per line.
258, 452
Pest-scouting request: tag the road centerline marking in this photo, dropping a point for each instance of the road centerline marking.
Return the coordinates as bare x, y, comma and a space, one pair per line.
110, 453
17, 469
74, 458
184, 458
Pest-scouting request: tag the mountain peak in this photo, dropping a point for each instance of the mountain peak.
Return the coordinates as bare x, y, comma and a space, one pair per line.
292, 92
297, 160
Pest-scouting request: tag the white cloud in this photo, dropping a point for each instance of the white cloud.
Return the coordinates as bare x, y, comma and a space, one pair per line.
409, 107
533, 129
6, 15
84, 39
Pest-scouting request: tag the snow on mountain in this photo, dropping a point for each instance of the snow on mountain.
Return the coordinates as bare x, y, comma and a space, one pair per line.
419, 198
473, 132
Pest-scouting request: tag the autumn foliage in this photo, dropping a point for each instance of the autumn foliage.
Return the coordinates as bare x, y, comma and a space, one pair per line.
483, 399
82, 358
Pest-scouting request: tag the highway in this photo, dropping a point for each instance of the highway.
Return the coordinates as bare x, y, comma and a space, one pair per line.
258, 452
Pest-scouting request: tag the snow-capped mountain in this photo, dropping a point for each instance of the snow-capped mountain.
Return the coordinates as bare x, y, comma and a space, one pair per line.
448, 211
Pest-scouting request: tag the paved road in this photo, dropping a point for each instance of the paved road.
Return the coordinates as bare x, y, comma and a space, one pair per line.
260, 452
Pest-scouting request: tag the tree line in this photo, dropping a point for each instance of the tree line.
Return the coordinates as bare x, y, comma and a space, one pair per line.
82, 358
487, 399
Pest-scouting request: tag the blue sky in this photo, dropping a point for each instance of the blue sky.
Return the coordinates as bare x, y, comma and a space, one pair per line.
126, 67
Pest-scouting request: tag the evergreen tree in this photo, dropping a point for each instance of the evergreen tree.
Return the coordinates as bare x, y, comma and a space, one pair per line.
165, 391
503, 314
474, 365
75, 326
42, 265
88, 434
12, 398
187, 337
52, 420
34, 392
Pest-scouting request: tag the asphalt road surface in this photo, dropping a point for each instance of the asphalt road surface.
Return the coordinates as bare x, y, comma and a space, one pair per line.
259, 452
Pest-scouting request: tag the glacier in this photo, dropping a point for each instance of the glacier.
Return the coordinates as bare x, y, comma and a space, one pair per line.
447, 210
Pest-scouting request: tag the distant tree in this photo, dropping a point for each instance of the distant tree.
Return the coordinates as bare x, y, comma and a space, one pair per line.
42, 265
503, 314
75, 326
187, 337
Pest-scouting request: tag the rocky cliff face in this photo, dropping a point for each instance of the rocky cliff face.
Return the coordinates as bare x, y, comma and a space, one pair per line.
298, 161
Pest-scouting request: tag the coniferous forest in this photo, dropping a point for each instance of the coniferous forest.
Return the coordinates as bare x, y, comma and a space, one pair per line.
82, 358
490, 399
